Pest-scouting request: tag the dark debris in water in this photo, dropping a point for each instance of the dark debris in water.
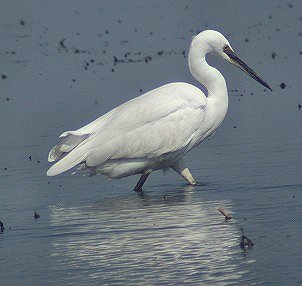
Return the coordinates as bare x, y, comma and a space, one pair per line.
1, 226
283, 85
138, 58
36, 215
3, 76
299, 106
245, 242
63, 47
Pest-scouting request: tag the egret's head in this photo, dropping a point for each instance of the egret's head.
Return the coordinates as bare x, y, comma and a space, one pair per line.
215, 41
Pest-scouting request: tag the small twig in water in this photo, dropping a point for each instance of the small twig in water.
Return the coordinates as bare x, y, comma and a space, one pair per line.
226, 216
36, 215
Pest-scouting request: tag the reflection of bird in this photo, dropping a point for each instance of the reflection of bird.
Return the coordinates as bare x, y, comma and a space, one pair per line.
36, 215
155, 130
245, 241
1, 226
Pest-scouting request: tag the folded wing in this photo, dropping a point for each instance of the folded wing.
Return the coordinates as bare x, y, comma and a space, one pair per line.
158, 122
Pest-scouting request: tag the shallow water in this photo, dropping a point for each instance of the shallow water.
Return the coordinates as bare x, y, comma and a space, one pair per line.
94, 231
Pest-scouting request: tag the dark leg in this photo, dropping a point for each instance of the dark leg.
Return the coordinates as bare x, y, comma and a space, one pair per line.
142, 180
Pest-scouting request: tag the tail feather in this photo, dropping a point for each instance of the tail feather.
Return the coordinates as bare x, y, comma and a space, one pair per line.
65, 146
68, 152
69, 161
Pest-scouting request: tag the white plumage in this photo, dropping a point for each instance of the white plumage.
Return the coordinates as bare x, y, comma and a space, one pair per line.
155, 130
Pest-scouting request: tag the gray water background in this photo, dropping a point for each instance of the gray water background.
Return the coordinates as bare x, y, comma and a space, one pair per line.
58, 73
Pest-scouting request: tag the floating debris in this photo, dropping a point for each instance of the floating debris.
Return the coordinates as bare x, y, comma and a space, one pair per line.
274, 55
1, 226
62, 45
299, 106
226, 216
29, 157
36, 215
78, 51
148, 59
116, 60
282, 85
245, 241
86, 65
3, 76
22, 22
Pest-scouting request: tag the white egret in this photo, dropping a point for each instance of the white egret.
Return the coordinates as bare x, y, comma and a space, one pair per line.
155, 130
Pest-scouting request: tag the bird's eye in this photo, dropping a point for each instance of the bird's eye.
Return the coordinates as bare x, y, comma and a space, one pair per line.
226, 48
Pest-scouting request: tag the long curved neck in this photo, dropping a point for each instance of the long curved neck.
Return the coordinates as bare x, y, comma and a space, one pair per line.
207, 75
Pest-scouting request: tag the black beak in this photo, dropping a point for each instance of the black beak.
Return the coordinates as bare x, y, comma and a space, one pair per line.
240, 64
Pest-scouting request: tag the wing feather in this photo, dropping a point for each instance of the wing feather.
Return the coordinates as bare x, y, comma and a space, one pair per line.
158, 122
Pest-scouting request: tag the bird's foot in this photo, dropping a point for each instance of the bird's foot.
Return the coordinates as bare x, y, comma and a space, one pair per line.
192, 183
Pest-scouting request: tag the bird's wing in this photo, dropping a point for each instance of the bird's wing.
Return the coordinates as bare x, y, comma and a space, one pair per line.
158, 122
168, 134
148, 107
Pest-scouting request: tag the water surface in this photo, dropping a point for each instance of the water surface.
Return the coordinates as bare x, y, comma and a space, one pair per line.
59, 71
